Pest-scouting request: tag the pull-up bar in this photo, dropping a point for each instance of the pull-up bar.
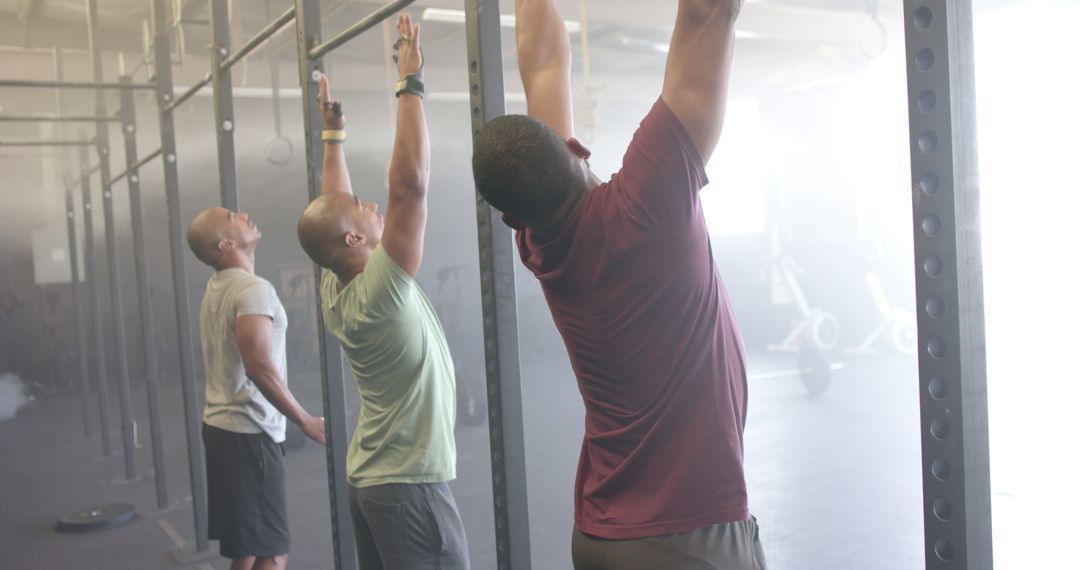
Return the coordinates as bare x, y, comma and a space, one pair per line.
246, 49
133, 169
358, 28
48, 143
72, 119
257, 40
73, 84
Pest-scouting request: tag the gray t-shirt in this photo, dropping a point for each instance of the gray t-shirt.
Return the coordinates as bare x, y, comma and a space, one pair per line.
233, 402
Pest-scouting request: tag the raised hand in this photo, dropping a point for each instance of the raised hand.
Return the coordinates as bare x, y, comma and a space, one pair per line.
407, 52
333, 117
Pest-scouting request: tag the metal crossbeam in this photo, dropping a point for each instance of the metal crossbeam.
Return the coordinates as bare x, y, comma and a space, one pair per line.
73, 84
259, 38
48, 143
59, 119
134, 168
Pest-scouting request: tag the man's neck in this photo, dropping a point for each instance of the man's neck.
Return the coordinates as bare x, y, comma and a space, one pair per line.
562, 216
245, 264
346, 274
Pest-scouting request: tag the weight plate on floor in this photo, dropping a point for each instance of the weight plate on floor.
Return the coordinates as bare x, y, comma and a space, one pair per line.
96, 518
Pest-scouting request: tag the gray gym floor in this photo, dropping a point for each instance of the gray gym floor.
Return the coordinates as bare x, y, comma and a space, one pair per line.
834, 478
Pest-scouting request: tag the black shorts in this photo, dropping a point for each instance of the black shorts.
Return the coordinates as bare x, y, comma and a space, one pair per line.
246, 493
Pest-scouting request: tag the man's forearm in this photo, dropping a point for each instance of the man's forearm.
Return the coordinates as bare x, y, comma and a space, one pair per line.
410, 165
269, 382
335, 175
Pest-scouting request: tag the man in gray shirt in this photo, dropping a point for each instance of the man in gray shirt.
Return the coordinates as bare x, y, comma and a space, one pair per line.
242, 324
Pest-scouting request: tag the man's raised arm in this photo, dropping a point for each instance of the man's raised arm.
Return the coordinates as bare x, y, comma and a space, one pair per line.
544, 59
410, 165
335, 174
699, 68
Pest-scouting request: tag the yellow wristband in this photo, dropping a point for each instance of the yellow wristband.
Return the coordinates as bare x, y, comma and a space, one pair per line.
335, 136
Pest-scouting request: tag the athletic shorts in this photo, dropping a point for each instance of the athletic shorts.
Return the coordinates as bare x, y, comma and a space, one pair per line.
408, 526
245, 488
727, 546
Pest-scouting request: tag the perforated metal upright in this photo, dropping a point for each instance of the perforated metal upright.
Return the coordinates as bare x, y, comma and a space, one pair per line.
142, 283
127, 427
308, 31
949, 284
224, 121
93, 291
499, 302
77, 302
192, 412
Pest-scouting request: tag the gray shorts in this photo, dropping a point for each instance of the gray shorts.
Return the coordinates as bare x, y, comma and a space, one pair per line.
728, 546
408, 527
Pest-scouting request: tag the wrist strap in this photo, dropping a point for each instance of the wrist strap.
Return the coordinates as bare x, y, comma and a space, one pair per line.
411, 84
333, 136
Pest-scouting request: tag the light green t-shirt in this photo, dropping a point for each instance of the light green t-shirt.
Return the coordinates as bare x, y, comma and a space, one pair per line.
398, 354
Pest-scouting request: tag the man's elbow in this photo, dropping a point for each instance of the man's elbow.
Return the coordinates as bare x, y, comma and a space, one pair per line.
409, 185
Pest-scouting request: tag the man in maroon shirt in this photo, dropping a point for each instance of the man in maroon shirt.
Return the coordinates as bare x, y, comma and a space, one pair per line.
627, 270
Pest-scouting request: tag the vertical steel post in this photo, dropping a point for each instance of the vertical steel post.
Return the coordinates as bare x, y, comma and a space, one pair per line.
192, 416
142, 282
224, 121
96, 327
73, 259
127, 427
308, 30
499, 302
949, 284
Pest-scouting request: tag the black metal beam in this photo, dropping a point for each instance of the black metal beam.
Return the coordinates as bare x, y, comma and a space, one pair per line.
499, 303
96, 327
308, 29
192, 412
73, 259
72, 84
374, 19
224, 120
127, 426
949, 284
142, 284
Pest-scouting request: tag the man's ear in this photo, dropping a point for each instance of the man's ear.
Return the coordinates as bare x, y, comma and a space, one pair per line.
226, 244
512, 223
579, 150
354, 239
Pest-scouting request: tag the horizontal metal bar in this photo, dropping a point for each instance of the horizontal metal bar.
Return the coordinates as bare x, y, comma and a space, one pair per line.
72, 119
48, 143
135, 168
358, 28
189, 93
73, 84
257, 40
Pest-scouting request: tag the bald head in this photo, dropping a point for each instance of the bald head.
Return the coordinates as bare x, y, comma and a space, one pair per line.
323, 227
205, 234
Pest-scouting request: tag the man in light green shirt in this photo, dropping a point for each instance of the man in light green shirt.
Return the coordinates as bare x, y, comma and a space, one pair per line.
402, 454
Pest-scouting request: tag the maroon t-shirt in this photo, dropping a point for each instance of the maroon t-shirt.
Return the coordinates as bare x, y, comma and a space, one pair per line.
653, 341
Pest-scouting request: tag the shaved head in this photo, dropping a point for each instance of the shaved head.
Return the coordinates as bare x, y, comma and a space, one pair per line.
331, 222
204, 235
